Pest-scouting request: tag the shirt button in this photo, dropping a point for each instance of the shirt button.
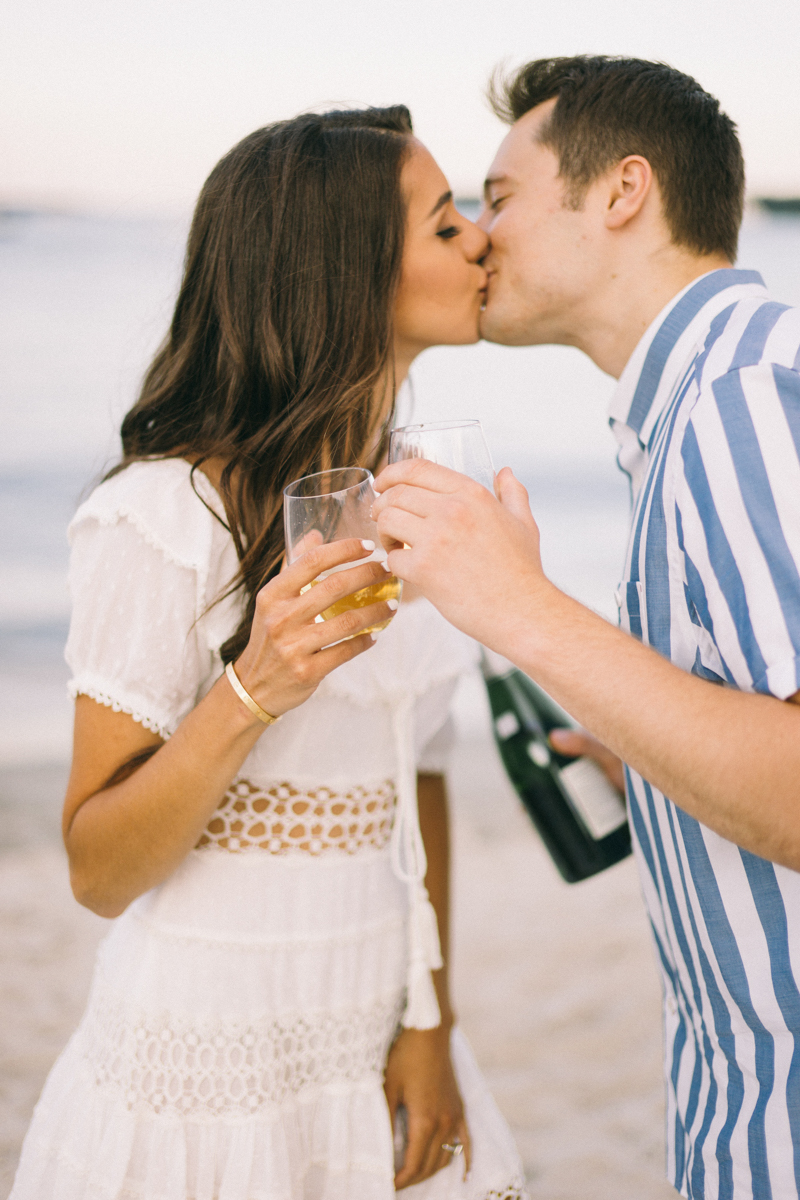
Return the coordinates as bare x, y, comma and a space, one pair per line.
672, 1004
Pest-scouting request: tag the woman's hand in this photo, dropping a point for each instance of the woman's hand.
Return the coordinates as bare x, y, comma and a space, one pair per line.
289, 653
419, 1075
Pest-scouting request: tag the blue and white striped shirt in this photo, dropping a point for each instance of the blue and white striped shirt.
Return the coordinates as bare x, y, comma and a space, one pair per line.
707, 413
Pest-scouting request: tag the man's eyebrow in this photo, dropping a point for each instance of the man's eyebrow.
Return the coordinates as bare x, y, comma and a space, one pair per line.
445, 198
490, 180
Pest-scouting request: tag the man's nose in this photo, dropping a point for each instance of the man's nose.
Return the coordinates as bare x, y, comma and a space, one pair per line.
481, 246
484, 218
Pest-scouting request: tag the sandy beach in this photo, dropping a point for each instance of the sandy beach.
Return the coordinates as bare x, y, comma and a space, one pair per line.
555, 986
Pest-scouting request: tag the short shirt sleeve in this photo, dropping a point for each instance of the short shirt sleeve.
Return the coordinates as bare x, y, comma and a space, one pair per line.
738, 513
133, 642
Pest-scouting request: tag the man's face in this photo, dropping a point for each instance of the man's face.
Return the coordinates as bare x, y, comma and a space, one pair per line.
545, 256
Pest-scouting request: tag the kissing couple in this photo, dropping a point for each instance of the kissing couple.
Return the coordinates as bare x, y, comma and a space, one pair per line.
257, 795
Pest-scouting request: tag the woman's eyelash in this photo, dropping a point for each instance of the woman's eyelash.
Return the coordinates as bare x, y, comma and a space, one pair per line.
450, 232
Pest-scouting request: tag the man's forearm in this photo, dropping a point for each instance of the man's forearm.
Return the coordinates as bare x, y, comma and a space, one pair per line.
730, 759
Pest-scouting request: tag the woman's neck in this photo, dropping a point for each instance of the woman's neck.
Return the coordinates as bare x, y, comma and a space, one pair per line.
404, 355
212, 468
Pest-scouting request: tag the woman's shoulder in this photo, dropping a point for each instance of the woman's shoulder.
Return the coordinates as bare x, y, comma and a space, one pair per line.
167, 505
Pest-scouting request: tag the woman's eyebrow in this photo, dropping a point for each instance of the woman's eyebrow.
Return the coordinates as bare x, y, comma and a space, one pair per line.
445, 198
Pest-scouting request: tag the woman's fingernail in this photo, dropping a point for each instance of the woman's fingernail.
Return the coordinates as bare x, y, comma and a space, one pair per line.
392, 604
367, 544
385, 565
373, 637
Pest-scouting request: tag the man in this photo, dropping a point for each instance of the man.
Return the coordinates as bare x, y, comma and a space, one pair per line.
613, 206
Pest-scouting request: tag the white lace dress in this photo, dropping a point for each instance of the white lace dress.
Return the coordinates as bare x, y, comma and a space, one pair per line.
240, 1015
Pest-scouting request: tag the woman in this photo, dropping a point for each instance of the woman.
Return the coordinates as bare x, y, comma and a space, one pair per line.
247, 1035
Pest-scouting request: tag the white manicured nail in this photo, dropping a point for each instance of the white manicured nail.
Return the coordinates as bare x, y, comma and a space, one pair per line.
385, 565
392, 604
373, 637
367, 544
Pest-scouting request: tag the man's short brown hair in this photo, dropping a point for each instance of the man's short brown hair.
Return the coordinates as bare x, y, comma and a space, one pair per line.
608, 108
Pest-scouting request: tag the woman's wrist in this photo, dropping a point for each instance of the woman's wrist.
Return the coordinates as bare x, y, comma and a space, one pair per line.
447, 1016
252, 681
247, 700
239, 720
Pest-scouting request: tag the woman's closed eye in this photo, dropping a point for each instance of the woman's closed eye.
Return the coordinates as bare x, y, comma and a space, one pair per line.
450, 232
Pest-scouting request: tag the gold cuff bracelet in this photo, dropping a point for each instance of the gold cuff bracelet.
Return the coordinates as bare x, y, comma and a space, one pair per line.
246, 698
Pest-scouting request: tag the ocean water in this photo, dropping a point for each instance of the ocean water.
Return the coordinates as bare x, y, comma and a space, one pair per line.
85, 301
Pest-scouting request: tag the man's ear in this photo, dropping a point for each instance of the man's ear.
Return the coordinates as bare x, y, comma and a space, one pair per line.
629, 186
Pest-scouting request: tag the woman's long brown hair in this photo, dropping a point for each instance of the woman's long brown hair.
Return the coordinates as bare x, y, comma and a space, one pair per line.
282, 333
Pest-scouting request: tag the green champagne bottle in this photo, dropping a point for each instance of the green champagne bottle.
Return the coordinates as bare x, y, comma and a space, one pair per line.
579, 815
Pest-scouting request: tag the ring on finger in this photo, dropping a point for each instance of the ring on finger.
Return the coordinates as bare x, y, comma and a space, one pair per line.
455, 1147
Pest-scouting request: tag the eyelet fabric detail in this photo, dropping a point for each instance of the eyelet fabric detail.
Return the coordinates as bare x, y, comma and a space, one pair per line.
283, 819
231, 1068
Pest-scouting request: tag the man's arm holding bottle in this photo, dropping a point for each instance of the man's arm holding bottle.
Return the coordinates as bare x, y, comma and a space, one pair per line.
731, 759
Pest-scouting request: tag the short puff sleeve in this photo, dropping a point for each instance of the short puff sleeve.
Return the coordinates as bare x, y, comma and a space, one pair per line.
135, 643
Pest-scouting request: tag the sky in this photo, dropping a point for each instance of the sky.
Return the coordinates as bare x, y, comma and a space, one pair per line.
125, 107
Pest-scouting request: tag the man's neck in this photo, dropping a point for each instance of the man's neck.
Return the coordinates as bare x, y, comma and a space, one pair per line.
617, 315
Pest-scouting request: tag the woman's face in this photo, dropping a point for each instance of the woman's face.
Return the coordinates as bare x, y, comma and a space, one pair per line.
442, 284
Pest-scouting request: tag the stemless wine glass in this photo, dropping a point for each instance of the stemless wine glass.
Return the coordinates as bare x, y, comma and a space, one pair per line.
327, 507
459, 445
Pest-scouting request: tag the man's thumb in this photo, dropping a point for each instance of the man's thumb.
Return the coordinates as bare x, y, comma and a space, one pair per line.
512, 494
569, 741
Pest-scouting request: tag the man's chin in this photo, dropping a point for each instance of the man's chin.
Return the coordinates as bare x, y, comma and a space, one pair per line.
494, 328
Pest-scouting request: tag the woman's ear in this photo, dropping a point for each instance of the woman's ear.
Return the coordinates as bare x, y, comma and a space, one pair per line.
629, 186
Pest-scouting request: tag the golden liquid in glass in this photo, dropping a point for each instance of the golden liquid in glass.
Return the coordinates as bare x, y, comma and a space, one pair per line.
391, 589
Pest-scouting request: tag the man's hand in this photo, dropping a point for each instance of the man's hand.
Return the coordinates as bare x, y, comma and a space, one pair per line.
474, 556
477, 559
583, 745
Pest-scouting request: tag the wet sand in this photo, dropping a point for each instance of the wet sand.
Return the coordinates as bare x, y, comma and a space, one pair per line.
555, 985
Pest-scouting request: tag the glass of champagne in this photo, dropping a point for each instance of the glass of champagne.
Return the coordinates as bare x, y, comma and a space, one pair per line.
327, 507
459, 445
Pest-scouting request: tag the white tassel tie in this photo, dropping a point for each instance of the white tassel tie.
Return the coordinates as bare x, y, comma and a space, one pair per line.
410, 864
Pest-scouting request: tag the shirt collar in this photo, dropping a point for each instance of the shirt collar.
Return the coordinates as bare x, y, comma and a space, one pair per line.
657, 363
